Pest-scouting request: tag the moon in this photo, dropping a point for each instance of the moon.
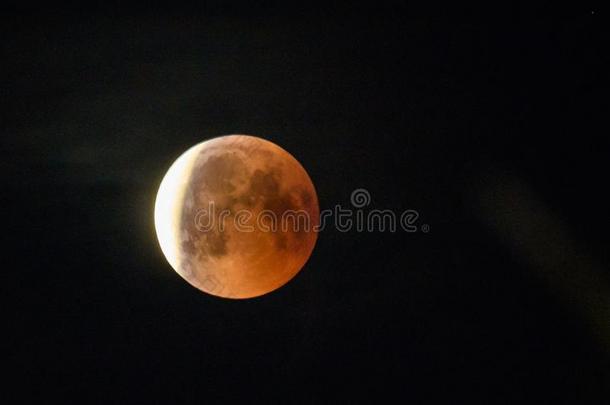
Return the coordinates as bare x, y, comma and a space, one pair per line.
237, 216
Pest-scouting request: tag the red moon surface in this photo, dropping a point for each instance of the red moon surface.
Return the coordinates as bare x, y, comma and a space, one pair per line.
237, 216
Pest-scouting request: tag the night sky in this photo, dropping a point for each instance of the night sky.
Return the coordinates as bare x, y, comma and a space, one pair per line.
491, 126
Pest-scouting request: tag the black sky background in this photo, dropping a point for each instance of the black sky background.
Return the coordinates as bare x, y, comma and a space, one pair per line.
422, 109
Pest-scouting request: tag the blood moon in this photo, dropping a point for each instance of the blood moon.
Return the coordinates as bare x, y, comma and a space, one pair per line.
236, 216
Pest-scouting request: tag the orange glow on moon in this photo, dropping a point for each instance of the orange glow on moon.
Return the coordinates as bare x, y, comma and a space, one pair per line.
236, 215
